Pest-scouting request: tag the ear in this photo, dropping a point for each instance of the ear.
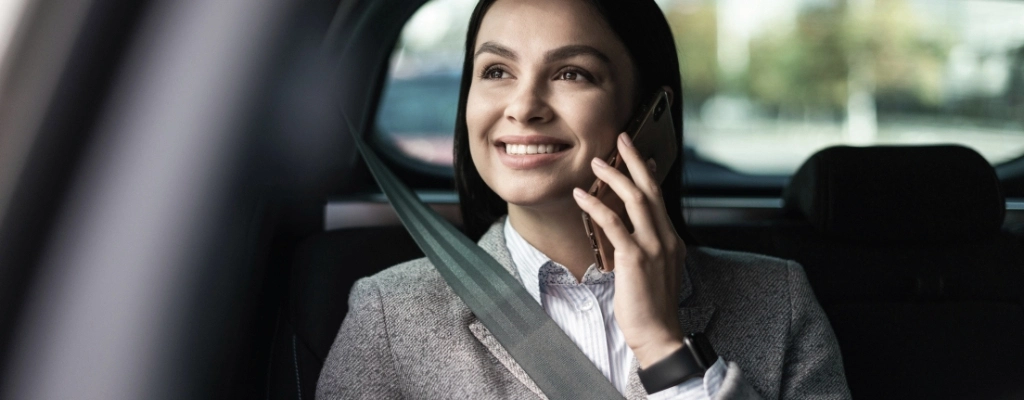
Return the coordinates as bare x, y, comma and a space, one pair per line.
671, 94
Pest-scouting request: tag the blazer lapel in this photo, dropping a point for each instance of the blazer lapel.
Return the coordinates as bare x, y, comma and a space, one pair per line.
691, 319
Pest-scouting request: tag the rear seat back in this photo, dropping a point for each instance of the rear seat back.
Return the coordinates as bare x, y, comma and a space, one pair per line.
898, 195
324, 269
903, 248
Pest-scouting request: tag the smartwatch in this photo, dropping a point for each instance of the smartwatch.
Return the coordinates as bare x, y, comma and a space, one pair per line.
691, 360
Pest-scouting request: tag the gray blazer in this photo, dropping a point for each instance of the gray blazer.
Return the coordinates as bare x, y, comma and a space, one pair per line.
407, 335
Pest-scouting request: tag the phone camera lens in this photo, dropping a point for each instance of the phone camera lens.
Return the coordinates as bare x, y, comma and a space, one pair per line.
658, 111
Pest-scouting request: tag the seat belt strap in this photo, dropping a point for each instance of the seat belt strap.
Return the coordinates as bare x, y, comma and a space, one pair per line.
531, 337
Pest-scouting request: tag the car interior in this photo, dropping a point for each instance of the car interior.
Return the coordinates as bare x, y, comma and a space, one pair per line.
183, 211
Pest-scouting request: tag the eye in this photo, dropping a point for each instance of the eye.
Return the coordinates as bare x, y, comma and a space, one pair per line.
494, 72
574, 74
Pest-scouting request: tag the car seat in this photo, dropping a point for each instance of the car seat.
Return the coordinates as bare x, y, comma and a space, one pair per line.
324, 268
904, 249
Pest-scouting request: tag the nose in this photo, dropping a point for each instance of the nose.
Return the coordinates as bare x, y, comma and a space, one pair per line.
529, 105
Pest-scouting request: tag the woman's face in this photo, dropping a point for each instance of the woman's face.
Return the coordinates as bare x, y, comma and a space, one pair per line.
552, 88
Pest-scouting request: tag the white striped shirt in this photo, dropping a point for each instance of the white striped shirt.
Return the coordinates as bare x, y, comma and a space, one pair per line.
584, 310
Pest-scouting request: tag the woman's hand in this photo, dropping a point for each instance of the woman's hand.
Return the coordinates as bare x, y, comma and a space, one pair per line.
648, 262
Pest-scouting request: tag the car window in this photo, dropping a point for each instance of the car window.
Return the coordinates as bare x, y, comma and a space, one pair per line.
765, 87
10, 12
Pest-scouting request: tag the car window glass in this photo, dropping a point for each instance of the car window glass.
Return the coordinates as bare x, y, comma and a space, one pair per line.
10, 12
765, 87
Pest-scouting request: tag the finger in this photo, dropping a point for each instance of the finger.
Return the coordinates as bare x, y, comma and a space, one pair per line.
642, 172
635, 200
638, 167
607, 219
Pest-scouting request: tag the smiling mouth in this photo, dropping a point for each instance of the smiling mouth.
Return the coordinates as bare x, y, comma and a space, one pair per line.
529, 149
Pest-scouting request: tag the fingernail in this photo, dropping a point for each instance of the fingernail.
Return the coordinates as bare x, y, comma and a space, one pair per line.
599, 162
579, 193
625, 139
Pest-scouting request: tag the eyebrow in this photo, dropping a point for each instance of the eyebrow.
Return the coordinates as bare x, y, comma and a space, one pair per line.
574, 50
494, 48
560, 53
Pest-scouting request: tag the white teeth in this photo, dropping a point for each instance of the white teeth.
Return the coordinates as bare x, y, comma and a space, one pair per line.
522, 149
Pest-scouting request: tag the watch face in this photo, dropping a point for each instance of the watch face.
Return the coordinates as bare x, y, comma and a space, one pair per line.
691, 360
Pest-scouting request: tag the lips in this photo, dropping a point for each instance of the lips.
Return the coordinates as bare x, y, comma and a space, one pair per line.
527, 149
525, 152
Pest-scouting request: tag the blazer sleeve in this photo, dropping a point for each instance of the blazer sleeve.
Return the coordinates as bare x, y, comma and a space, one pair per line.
813, 366
361, 364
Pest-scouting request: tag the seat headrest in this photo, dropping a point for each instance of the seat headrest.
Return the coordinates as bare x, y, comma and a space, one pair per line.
901, 194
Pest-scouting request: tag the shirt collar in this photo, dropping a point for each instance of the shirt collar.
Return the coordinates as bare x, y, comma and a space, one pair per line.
537, 270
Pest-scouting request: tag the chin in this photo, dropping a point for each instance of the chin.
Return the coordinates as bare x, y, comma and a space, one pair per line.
533, 196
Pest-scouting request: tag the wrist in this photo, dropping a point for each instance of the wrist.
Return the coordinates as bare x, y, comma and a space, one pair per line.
689, 361
656, 351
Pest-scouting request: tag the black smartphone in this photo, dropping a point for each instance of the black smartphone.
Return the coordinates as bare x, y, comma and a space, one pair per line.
654, 136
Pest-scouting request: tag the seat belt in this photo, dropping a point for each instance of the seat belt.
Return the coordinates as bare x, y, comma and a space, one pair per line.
531, 337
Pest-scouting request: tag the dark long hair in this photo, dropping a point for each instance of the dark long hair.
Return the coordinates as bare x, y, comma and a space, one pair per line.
643, 29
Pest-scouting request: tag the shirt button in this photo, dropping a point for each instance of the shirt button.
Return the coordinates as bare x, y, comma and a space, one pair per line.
586, 305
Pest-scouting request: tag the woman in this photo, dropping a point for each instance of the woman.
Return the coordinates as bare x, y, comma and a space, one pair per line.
547, 88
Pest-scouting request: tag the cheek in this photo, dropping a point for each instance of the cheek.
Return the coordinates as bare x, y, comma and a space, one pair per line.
474, 127
480, 119
596, 121
481, 116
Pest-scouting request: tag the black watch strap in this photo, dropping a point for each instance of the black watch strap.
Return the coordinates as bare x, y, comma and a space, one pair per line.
691, 360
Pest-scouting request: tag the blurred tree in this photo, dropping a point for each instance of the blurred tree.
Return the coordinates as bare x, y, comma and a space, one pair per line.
802, 68
695, 28
907, 55
1015, 88
878, 46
